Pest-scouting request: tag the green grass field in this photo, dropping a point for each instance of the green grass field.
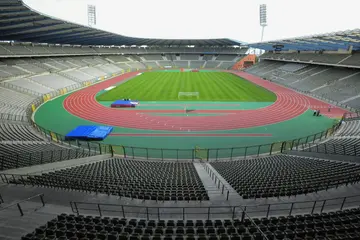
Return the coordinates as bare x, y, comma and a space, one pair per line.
211, 86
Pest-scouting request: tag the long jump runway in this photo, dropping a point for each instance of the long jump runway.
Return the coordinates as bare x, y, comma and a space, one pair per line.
289, 104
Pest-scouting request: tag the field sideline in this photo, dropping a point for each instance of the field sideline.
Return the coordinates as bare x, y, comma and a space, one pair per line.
212, 86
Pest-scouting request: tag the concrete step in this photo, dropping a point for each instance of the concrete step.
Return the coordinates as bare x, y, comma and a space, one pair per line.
214, 193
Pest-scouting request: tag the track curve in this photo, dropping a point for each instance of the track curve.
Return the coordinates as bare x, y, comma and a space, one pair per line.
289, 104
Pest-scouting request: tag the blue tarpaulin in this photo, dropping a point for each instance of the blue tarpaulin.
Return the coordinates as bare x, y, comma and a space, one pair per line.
95, 133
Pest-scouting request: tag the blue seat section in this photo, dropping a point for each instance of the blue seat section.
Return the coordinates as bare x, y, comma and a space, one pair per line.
90, 133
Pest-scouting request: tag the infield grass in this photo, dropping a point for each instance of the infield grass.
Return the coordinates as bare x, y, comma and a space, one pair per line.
211, 86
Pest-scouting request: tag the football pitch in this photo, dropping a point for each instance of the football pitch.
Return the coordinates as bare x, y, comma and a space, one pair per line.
188, 86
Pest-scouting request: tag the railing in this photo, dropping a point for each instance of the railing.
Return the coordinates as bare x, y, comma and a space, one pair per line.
36, 158
1, 199
214, 212
41, 195
218, 183
212, 154
330, 148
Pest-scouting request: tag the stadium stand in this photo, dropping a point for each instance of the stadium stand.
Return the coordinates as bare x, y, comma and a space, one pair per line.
149, 180
57, 60
285, 175
339, 84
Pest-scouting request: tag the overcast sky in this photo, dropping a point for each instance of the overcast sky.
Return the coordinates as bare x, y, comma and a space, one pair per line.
234, 19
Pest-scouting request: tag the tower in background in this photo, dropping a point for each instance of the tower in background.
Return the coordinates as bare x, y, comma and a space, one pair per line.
91, 10
263, 20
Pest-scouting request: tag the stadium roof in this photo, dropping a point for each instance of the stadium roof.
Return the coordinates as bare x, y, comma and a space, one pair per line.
326, 42
18, 22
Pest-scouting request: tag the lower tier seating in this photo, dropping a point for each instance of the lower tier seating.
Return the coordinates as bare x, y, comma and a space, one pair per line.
333, 225
284, 175
148, 180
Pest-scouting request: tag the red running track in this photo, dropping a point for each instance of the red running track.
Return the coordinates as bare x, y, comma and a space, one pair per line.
289, 104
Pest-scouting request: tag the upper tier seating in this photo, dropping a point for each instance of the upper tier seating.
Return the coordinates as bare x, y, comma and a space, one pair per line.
130, 178
324, 226
283, 175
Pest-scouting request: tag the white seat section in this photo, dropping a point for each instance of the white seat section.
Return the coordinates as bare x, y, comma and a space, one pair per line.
32, 68
25, 83
12, 71
79, 75
53, 81
93, 71
109, 68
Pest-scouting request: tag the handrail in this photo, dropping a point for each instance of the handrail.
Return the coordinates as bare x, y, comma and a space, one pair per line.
41, 195
236, 211
218, 183
1, 199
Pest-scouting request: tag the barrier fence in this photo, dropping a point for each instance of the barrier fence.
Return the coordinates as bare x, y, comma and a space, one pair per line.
217, 212
190, 154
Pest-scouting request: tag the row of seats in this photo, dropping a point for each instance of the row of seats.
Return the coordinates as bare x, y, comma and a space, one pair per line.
148, 180
333, 225
284, 175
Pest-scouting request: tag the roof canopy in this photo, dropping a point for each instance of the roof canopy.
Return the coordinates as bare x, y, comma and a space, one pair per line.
326, 42
18, 22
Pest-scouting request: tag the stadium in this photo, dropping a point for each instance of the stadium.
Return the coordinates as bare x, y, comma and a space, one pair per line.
105, 136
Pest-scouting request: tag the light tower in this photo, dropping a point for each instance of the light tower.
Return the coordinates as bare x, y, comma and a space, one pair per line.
263, 19
91, 10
